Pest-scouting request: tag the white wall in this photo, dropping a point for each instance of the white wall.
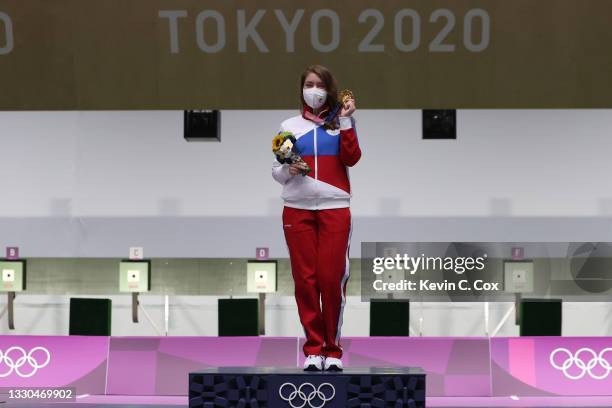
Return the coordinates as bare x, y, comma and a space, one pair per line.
544, 162
94, 175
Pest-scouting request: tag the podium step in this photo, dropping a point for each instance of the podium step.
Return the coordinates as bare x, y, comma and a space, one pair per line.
266, 387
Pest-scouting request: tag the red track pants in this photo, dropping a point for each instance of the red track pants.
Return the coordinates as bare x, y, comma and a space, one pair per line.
318, 242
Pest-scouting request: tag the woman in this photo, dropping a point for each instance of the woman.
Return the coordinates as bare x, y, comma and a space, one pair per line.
316, 215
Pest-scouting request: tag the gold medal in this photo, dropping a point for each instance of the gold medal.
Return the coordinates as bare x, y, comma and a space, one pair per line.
345, 95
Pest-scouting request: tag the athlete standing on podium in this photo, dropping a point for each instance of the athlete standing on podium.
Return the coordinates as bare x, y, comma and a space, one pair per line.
316, 214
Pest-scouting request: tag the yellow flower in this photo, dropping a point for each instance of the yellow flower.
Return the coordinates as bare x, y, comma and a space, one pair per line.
277, 142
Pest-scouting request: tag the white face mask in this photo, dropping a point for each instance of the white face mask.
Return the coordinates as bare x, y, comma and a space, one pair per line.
314, 97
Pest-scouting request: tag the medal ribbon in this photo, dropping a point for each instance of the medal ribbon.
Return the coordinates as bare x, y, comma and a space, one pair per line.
307, 114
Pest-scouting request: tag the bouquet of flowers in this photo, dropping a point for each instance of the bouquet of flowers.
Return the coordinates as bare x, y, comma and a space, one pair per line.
283, 146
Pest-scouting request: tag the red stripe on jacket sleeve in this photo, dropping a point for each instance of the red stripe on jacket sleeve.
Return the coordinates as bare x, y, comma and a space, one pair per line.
350, 153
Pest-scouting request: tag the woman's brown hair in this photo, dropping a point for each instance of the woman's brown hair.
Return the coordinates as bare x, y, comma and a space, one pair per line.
331, 86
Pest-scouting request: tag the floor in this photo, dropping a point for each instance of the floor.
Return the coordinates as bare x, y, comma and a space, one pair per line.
105, 401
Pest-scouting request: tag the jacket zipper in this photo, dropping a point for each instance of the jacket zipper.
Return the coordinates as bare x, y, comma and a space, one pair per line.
316, 169
315, 152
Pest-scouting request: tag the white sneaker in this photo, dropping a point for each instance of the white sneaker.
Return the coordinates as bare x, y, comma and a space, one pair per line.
333, 364
313, 363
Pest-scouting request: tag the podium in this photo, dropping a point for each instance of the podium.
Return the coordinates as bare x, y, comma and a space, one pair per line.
266, 387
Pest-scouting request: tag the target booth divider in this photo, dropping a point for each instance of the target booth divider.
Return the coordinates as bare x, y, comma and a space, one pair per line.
262, 279
13, 280
135, 278
246, 316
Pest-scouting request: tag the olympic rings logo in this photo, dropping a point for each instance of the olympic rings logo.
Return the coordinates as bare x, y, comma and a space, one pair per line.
582, 368
15, 363
307, 393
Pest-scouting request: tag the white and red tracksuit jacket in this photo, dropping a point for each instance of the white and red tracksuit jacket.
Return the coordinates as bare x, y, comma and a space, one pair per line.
317, 226
328, 153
